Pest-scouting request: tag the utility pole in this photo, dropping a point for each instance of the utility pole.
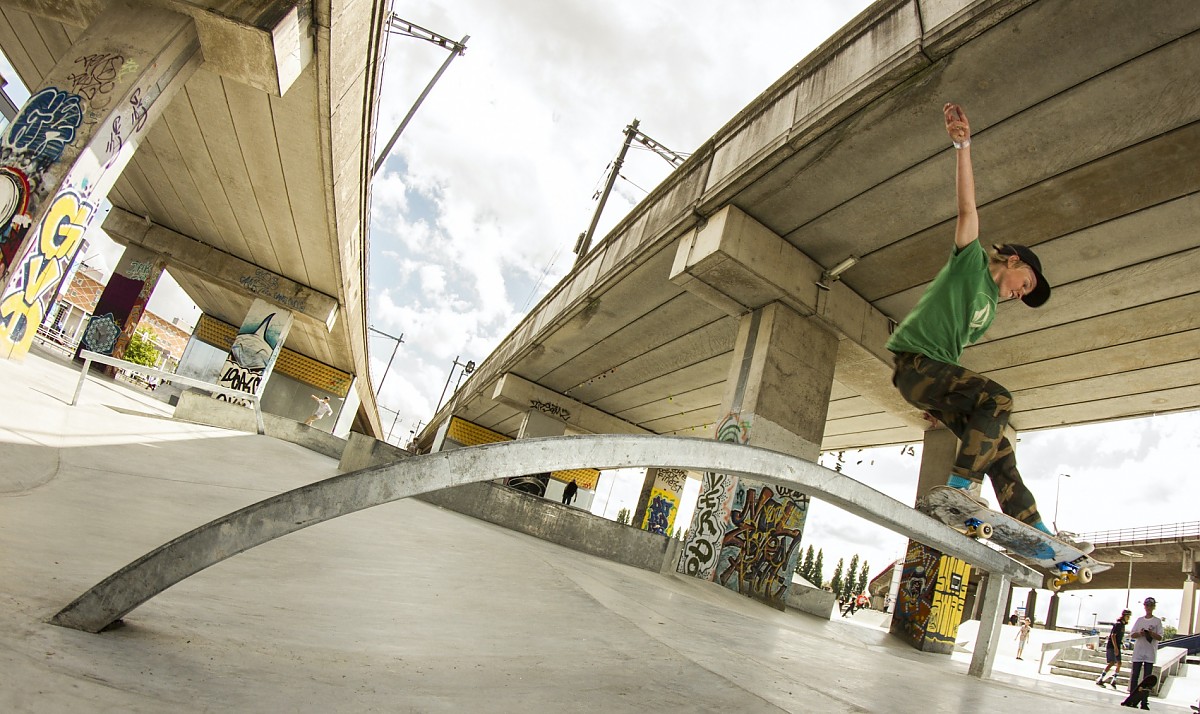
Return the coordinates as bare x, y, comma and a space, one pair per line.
584, 243
468, 368
396, 26
389, 364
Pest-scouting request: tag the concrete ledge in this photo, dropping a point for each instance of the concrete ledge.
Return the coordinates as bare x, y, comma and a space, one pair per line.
814, 601
569, 527
364, 451
199, 408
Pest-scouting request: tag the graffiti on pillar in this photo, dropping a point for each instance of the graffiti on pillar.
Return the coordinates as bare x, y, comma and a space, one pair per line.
248, 358
101, 334
699, 556
760, 548
949, 599
96, 77
37, 137
663, 503
533, 484
550, 408
22, 306
733, 429
139, 270
914, 598
139, 112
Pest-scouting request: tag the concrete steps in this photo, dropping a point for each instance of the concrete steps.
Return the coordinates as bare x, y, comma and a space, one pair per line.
1088, 664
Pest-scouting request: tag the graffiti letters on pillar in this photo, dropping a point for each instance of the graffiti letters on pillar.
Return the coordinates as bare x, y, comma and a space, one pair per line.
248, 359
917, 582
95, 78
550, 408
699, 557
733, 429
758, 550
659, 514
35, 140
672, 479
22, 306
266, 284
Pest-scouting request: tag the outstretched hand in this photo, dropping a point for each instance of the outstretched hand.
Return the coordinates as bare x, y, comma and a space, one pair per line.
957, 125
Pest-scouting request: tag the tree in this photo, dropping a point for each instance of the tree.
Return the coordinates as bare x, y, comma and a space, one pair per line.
818, 571
852, 585
864, 577
836, 581
141, 349
805, 567
623, 516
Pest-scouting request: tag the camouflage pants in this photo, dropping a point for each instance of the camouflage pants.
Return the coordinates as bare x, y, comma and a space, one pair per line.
976, 409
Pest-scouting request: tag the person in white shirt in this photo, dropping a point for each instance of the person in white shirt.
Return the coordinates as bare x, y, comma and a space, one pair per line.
1147, 632
323, 409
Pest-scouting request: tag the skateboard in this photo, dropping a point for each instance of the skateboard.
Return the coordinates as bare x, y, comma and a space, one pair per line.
1064, 562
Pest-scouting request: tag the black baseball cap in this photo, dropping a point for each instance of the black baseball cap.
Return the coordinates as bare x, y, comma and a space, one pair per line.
1041, 291
1149, 601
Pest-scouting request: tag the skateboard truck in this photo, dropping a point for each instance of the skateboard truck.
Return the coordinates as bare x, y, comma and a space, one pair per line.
1069, 572
978, 528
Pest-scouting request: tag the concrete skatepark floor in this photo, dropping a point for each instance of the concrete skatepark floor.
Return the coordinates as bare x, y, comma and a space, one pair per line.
400, 608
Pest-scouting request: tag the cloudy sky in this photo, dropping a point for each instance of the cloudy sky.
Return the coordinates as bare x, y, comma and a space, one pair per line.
480, 203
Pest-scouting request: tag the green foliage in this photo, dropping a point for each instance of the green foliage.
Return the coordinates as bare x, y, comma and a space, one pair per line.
805, 566
864, 577
818, 571
1169, 631
141, 349
852, 585
837, 582
623, 516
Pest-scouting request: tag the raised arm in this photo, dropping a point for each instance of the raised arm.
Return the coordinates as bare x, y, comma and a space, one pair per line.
967, 228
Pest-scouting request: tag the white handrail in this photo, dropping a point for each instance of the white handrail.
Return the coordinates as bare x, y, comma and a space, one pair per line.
89, 357
1064, 644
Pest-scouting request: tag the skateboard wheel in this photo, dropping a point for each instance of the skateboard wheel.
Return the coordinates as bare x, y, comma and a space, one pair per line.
985, 530
1085, 575
1057, 583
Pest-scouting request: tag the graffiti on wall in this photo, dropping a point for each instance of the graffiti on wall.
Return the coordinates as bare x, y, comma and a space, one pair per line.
35, 140
699, 556
663, 504
761, 545
914, 598
551, 409
23, 304
949, 599
733, 429
252, 352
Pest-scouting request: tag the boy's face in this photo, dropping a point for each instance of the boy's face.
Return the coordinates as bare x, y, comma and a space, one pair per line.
1016, 280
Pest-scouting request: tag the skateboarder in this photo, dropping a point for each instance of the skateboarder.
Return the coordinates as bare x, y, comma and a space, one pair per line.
955, 310
1146, 633
323, 409
1112, 651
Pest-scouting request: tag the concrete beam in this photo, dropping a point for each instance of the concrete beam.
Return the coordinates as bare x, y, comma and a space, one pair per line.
315, 503
216, 266
737, 265
523, 395
263, 44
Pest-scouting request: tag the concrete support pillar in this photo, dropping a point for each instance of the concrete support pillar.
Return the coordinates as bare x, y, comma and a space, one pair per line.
658, 503
990, 619
1031, 606
121, 304
1052, 612
537, 422
933, 587
70, 142
1008, 608
746, 534
1187, 609
258, 343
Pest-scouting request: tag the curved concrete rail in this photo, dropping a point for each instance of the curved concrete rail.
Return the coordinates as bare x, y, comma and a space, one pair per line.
288, 512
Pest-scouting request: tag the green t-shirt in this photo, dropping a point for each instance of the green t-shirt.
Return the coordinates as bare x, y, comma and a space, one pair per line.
956, 309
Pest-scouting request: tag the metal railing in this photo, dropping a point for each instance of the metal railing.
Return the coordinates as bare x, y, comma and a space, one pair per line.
89, 357
1058, 647
1166, 533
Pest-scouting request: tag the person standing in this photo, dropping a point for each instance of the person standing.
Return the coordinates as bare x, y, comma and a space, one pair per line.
570, 492
955, 310
1146, 633
1112, 651
1023, 636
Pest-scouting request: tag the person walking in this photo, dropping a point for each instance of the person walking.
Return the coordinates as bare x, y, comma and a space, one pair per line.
1146, 633
570, 492
955, 311
1112, 651
1023, 636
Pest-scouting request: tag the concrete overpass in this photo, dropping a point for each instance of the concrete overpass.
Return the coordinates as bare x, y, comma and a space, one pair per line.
253, 181
1085, 123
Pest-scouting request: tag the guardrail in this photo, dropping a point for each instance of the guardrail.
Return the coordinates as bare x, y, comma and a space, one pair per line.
1166, 533
89, 357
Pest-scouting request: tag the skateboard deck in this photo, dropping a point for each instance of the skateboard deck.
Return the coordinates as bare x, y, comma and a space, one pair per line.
1064, 562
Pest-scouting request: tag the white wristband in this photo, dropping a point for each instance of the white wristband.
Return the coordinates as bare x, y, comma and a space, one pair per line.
961, 144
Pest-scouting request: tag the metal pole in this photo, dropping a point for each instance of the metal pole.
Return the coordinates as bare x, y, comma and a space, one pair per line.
388, 368
1129, 584
446, 385
1057, 491
585, 241
454, 52
393, 426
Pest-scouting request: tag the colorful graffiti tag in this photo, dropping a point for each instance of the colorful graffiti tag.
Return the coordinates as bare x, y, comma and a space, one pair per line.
253, 351
22, 306
759, 551
663, 500
914, 600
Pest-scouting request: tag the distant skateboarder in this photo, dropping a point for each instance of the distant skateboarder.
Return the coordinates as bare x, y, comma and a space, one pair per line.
323, 410
955, 311
1112, 651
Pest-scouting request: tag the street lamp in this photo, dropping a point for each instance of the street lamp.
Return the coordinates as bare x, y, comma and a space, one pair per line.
1129, 583
1057, 491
